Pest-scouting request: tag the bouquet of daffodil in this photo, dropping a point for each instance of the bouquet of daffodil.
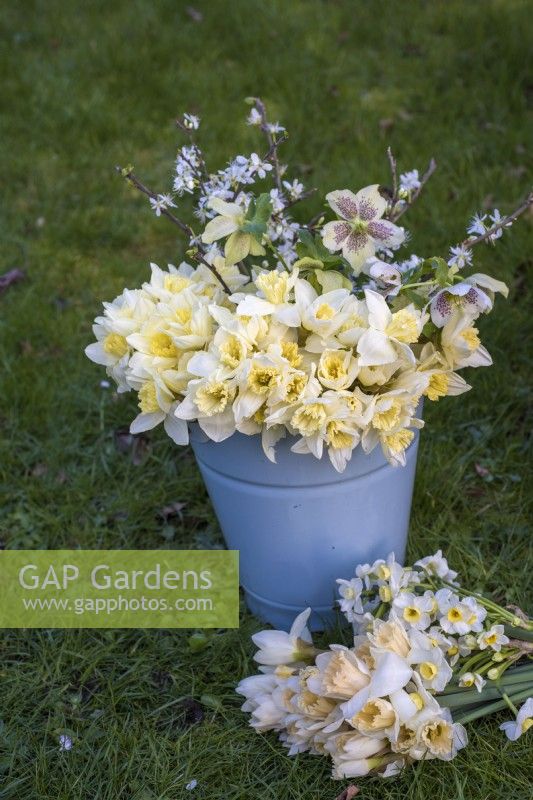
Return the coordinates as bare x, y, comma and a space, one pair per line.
427, 657
318, 330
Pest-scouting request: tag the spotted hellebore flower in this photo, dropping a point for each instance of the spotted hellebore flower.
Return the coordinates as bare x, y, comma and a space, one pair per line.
230, 220
360, 231
466, 295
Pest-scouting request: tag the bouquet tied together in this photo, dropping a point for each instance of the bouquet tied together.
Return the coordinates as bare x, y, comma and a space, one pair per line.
426, 658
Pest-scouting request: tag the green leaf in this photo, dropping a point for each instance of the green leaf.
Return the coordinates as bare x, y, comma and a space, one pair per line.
198, 641
441, 270
263, 208
429, 330
415, 298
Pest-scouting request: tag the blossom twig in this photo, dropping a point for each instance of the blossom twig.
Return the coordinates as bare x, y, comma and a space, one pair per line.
468, 243
272, 142
132, 178
432, 166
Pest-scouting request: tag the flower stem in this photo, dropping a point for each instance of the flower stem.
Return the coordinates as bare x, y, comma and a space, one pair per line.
491, 708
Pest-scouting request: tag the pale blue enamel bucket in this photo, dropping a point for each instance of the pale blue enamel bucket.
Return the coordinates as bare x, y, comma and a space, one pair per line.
298, 524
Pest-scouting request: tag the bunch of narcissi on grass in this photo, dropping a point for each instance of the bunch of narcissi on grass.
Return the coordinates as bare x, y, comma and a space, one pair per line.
327, 331
426, 658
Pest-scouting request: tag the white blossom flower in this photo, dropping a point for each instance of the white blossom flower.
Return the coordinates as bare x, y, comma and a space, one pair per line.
65, 742
409, 181
477, 226
191, 121
191, 785
294, 189
460, 256
524, 721
161, 203
254, 117
360, 231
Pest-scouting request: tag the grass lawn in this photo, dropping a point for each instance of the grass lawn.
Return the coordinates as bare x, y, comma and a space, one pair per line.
88, 85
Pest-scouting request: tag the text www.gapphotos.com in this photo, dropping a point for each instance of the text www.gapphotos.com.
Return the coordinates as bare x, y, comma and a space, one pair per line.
111, 605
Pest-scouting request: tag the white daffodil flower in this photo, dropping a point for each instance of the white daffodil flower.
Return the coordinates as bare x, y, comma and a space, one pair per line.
322, 315
350, 593
493, 638
441, 380
524, 721
352, 754
433, 668
437, 565
275, 289
415, 610
459, 615
460, 344
279, 647
389, 334
361, 230
391, 673
340, 674
470, 679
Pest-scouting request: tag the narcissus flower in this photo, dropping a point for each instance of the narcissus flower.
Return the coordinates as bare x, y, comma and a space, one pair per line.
524, 721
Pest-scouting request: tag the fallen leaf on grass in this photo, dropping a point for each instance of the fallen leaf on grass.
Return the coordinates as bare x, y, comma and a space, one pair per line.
39, 470
11, 277
483, 472
191, 712
348, 793
137, 446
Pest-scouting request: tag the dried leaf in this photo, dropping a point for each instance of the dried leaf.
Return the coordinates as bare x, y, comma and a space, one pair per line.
11, 277
191, 712
123, 440
39, 470
349, 792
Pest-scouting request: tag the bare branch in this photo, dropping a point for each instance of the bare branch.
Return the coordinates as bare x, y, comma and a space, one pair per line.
432, 166
394, 176
202, 260
469, 243
132, 178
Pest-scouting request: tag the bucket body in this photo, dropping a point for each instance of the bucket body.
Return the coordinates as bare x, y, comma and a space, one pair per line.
298, 524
